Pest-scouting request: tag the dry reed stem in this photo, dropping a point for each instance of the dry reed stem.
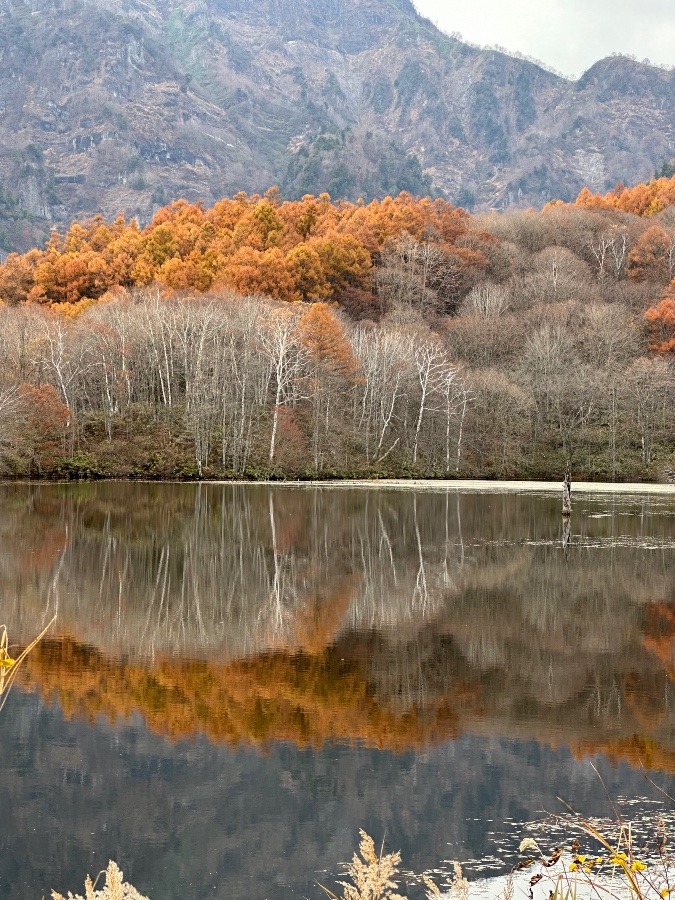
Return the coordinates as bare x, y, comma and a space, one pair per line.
115, 888
372, 874
8, 666
459, 889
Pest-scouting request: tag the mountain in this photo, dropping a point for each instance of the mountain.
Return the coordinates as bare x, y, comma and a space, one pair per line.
124, 105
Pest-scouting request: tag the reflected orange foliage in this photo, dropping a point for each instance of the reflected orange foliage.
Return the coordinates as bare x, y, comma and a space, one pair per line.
659, 637
321, 694
319, 623
643, 694
637, 750
43, 550
307, 699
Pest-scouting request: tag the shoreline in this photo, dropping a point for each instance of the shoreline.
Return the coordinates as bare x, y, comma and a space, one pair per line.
470, 485
476, 485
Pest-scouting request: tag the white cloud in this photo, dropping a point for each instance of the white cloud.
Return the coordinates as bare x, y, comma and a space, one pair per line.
569, 35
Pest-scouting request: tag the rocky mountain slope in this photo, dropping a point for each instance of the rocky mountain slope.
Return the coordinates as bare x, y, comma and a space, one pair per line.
121, 106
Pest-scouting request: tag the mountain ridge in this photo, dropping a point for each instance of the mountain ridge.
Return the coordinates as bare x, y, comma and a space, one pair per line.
124, 107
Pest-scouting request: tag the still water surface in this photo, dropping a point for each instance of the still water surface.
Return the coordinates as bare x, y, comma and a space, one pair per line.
242, 676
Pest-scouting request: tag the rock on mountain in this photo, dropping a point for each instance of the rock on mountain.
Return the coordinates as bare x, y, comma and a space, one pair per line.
123, 105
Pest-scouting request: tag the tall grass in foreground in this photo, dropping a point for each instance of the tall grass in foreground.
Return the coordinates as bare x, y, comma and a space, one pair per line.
613, 872
115, 888
372, 876
613, 869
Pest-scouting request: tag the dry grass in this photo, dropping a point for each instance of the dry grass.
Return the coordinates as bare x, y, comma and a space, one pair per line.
115, 888
618, 869
8, 666
459, 888
372, 876
613, 867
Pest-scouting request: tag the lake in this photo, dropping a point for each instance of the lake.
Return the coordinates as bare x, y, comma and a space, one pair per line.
242, 676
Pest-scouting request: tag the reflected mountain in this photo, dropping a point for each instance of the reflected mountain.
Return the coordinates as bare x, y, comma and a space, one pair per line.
200, 819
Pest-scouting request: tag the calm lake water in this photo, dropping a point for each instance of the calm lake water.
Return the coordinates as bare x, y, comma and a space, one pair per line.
243, 676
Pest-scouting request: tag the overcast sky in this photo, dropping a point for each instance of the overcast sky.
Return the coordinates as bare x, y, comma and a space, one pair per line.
569, 35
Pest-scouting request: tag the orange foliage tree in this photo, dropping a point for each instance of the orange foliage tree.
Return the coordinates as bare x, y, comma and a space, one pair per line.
653, 255
661, 320
641, 200
17, 276
253, 271
326, 342
45, 418
312, 250
307, 270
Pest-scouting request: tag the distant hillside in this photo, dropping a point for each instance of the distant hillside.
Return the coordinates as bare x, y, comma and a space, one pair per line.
128, 104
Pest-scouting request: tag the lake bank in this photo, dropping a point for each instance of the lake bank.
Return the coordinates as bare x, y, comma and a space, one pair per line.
422, 484
418, 484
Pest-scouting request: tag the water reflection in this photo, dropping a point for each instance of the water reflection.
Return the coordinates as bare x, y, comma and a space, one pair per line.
244, 675
395, 619
200, 820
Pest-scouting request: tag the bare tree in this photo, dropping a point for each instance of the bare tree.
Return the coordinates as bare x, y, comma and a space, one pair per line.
280, 342
10, 401
499, 421
435, 374
608, 342
65, 356
618, 251
458, 398
600, 248
648, 388
246, 375
159, 334
487, 300
385, 361
403, 278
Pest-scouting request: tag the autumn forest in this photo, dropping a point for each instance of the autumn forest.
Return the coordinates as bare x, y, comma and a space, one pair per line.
321, 338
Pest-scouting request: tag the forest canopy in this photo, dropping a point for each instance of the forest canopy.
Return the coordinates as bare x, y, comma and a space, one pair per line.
401, 336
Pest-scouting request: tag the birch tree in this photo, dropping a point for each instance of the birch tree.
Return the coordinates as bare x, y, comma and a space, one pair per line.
280, 342
435, 375
385, 362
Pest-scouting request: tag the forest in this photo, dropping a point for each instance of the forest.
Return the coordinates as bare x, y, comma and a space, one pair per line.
264, 338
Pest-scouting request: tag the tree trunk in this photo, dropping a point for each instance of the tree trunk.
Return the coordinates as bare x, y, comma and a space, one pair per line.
567, 493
